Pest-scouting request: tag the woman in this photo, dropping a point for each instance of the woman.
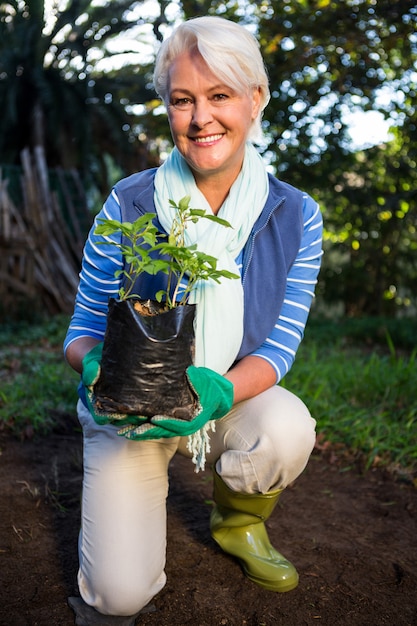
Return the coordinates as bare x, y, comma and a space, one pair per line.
211, 77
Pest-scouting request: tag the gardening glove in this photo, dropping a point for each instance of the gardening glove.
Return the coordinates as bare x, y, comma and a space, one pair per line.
90, 375
215, 398
91, 366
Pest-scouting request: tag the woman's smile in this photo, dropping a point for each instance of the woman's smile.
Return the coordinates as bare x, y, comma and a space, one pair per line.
207, 140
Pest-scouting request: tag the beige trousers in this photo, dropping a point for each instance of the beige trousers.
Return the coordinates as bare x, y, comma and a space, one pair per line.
263, 444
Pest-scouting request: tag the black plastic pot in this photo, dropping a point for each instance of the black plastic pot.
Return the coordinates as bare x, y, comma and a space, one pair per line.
144, 361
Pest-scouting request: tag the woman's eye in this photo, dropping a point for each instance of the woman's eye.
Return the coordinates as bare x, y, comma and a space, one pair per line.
181, 103
220, 97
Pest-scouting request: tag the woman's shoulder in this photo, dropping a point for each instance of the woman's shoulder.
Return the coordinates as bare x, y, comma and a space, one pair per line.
282, 186
285, 189
136, 181
306, 204
136, 191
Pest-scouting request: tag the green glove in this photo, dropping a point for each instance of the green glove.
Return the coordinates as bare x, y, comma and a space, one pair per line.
214, 393
90, 375
215, 399
91, 366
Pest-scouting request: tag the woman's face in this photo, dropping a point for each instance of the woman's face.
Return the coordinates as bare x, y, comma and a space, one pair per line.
209, 121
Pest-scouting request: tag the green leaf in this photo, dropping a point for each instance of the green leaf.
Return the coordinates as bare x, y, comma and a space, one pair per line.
218, 220
184, 203
159, 295
198, 213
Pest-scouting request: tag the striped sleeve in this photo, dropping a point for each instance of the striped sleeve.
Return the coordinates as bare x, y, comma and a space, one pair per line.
97, 281
280, 348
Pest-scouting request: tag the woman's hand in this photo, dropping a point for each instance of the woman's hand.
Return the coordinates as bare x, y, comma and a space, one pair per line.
249, 377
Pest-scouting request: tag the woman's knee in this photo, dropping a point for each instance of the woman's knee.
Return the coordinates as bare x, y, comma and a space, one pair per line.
118, 595
279, 436
288, 418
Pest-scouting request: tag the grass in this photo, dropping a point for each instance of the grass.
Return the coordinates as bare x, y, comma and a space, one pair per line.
362, 396
358, 379
35, 383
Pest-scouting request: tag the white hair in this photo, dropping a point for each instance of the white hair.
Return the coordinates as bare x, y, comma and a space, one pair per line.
230, 51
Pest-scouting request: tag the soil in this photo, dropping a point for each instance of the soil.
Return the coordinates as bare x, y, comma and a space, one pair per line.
352, 536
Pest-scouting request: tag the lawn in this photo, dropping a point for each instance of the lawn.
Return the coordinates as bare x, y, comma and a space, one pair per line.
358, 378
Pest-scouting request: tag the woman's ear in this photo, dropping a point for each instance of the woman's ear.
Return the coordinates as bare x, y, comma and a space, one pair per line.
256, 102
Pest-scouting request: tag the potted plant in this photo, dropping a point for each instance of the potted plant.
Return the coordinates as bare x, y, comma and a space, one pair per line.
149, 344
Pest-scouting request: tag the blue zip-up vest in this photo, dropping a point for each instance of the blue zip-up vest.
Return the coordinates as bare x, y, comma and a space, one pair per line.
268, 255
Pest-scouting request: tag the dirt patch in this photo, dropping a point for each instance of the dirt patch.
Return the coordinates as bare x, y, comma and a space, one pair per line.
353, 539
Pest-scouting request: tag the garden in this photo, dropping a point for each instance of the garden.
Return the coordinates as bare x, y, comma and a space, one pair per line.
78, 114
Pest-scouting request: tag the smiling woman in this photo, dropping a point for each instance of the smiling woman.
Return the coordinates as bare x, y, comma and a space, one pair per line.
210, 74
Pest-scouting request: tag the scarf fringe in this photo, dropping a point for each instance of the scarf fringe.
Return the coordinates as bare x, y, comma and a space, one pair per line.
199, 445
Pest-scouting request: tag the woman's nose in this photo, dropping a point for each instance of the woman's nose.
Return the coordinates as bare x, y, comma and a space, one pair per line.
201, 114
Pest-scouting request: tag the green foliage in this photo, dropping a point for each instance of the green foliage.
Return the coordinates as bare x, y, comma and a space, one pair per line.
361, 397
42, 387
151, 252
36, 383
362, 394
52, 95
396, 334
45, 332
325, 59
371, 228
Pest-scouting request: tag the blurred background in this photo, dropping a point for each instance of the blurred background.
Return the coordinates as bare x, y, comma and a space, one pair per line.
78, 112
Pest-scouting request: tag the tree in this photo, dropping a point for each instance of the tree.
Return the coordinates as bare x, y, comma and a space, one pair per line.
371, 223
325, 58
52, 95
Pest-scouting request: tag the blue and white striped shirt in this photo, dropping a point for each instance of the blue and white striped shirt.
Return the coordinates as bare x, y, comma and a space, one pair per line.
98, 284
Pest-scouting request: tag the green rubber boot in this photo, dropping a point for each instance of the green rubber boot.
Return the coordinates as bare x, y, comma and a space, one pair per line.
237, 525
